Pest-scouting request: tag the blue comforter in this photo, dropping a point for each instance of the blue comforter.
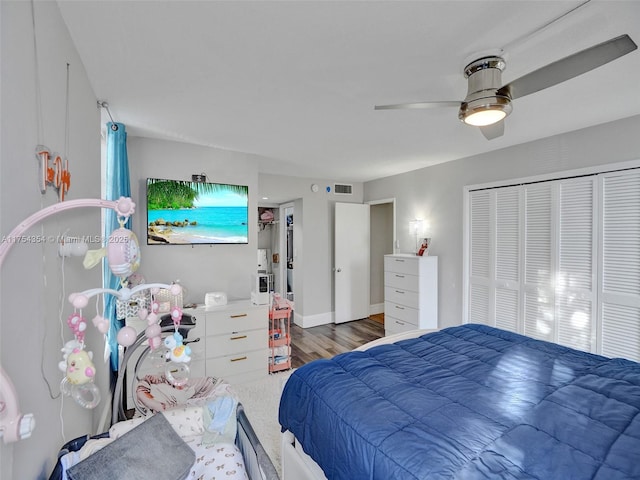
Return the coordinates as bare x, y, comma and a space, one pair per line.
468, 402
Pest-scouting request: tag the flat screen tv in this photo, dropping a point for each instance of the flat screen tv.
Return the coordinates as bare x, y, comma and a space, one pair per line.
186, 213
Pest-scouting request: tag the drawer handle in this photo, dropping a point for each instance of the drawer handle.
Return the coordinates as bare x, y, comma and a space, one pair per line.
186, 342
399, 307
240, 315
238, 359
238, 338
399, 260
399, 276
400, 323
400, 291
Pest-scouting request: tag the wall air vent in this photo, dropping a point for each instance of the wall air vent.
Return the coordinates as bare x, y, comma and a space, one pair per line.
342, 189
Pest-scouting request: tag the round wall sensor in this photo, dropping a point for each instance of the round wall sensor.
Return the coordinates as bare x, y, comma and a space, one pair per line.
314, 188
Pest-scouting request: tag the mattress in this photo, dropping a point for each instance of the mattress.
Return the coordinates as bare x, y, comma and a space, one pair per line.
171, 445
467, 402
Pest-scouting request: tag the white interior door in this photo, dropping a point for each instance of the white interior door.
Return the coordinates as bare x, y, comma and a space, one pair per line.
351, 261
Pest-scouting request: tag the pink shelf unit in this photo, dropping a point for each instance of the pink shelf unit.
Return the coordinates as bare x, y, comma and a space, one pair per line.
279, 335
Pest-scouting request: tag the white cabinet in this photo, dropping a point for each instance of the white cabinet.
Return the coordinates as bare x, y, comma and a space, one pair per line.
410, 293
229, 341
237, 341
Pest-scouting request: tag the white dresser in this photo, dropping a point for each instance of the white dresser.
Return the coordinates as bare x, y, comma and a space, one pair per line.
237, 341
229, 341
410, 293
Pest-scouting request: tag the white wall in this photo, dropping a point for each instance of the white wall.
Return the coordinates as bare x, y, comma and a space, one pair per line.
33, 290
313, 236
201, 268
229, 268
436, 193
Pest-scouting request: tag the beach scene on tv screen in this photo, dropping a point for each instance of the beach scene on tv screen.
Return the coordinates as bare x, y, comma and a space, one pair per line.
183, 213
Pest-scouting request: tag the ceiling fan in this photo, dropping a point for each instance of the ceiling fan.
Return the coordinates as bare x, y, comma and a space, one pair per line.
488, 102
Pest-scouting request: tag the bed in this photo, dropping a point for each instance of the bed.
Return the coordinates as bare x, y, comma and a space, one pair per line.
204, 436
471, 402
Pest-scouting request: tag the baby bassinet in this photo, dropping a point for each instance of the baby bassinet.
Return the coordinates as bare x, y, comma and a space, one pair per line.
257, 464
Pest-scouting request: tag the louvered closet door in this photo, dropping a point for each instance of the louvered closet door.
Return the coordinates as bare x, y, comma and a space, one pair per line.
620, 277
531, 255
508, 235
559, 252
560, 261
538, 265
575, 280
481, 205
494, 286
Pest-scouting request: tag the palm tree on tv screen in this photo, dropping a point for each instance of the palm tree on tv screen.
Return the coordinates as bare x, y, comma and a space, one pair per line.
177, 194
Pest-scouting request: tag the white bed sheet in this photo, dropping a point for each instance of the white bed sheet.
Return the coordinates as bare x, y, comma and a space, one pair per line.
216, 461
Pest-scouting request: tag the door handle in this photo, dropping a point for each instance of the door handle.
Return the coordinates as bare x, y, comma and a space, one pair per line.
338, 270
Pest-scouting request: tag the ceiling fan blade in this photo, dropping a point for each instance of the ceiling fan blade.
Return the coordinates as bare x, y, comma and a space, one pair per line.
417, 105
494, 130
569, 67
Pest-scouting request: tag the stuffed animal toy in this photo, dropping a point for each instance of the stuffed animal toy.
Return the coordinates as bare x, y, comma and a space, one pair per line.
178, 352
80, 368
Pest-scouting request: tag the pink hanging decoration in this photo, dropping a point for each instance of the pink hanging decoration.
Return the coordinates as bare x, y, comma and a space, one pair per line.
78, 325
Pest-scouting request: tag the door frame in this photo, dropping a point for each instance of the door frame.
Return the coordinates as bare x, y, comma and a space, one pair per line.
377, 308
283, 246
392, 201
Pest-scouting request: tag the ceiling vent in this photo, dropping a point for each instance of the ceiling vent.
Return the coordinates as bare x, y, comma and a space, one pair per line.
342, 189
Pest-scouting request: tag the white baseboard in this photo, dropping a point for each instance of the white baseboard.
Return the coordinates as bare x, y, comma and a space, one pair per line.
309, 321
376, 308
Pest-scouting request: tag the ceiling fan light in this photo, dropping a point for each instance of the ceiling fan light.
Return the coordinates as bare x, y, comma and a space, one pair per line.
482, 118
485, 111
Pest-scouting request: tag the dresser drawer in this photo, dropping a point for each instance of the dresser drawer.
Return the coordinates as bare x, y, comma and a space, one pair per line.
236, 320
229, 365
402, 297
394, 325
401, 312
403, 281
233, 343
197, 367
404, 264
198, 330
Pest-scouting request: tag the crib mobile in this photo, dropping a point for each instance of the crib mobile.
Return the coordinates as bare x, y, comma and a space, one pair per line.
123, 257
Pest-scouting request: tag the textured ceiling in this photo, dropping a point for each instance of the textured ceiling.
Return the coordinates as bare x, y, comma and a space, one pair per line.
295, 82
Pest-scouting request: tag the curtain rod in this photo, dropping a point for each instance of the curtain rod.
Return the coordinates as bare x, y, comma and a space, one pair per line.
105, 105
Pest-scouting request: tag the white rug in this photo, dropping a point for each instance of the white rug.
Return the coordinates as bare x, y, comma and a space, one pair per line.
261, 400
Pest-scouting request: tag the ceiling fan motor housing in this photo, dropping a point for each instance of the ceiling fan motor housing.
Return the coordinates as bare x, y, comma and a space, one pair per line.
484, 77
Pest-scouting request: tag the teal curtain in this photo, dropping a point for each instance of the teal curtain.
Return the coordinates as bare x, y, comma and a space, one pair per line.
117, 185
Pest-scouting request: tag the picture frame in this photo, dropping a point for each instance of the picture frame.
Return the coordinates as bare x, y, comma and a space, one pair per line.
423, 249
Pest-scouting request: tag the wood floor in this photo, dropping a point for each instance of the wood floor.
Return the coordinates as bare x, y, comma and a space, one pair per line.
325, 341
